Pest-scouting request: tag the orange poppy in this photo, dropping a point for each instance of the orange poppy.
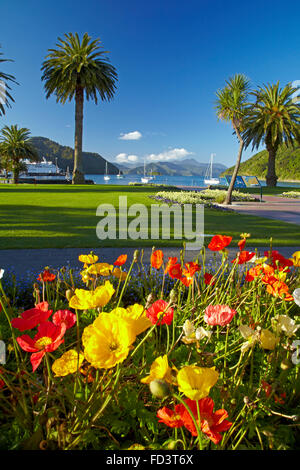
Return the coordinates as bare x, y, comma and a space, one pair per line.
219, 242
212, 423
46, 276
169, 417
120, 260
157, 259
172, 260
175, 271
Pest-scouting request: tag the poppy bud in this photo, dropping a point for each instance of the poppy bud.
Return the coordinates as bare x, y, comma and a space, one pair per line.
63, 269
173, 296
159, 388
69, 294
136, 255
150, 300
172, 445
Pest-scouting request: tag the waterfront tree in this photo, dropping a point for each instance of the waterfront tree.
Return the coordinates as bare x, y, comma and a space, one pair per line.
274, 119
232, 106
78, 69
15, 146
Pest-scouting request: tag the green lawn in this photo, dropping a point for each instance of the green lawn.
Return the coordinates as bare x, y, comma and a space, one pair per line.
61, 216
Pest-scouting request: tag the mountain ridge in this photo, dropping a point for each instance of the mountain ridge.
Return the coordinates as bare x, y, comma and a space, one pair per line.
93, 163
287, 164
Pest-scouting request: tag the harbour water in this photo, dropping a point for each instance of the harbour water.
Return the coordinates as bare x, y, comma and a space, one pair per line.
186, 181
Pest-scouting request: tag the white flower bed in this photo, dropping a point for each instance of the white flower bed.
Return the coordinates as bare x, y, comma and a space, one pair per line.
292, 194
209, 195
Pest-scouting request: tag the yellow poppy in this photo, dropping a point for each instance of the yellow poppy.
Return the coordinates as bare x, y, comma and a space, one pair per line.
195, 382
136, 316
107, 341
296, 258
88, 259
159, 369
100, 269
85, 299
67, 363
268, 340
119, 274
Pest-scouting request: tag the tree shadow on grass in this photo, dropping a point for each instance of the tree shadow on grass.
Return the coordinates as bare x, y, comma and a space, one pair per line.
30, 226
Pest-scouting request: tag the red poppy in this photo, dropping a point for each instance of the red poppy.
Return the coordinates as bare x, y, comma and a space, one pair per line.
157, 259
218, 315
2, 384
219, 242
32, 317
172, 260
209, 279
120, 260
278, 260
212, 423
175, 271
244, 257
64, 316
48, 339
46, 276
159, 310
169, 417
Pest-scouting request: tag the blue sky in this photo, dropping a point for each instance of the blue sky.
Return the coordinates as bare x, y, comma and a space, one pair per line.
171, 56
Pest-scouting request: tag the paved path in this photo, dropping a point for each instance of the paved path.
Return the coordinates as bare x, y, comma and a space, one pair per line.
28, 262
272, 207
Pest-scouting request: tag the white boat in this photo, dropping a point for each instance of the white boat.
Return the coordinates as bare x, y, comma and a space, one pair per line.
106, 176
119, 176
43, 170
145, 179
208, 179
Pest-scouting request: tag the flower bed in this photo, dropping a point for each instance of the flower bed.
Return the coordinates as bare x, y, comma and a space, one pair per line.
164, 355
291, 194
201, 197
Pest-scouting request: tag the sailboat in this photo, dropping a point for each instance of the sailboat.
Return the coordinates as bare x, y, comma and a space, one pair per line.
106, 176
208, 179
145, 179
119, 176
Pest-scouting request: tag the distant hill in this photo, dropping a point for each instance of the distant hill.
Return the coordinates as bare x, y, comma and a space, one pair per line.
187, 167
93, 163
287, 164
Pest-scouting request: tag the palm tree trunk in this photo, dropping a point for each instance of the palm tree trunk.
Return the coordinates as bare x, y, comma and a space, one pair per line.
15, 175
271, 178
78, 175
236, 168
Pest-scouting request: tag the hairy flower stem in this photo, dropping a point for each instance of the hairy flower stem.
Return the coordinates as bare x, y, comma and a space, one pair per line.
177, 397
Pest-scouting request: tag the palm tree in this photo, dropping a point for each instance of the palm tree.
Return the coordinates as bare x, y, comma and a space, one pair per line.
5, 96
274, 119
15, 146
232, 106
73, 69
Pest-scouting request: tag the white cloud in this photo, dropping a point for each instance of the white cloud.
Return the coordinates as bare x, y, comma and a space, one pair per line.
172, 154
124, 158
133, 158
134, 135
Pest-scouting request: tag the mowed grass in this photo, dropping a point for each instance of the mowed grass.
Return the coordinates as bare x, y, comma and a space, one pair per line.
63, 216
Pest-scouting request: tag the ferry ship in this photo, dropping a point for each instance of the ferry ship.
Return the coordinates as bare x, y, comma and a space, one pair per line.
44, 170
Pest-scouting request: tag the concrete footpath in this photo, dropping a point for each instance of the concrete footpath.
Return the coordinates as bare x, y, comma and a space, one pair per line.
27, 262
272, 207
